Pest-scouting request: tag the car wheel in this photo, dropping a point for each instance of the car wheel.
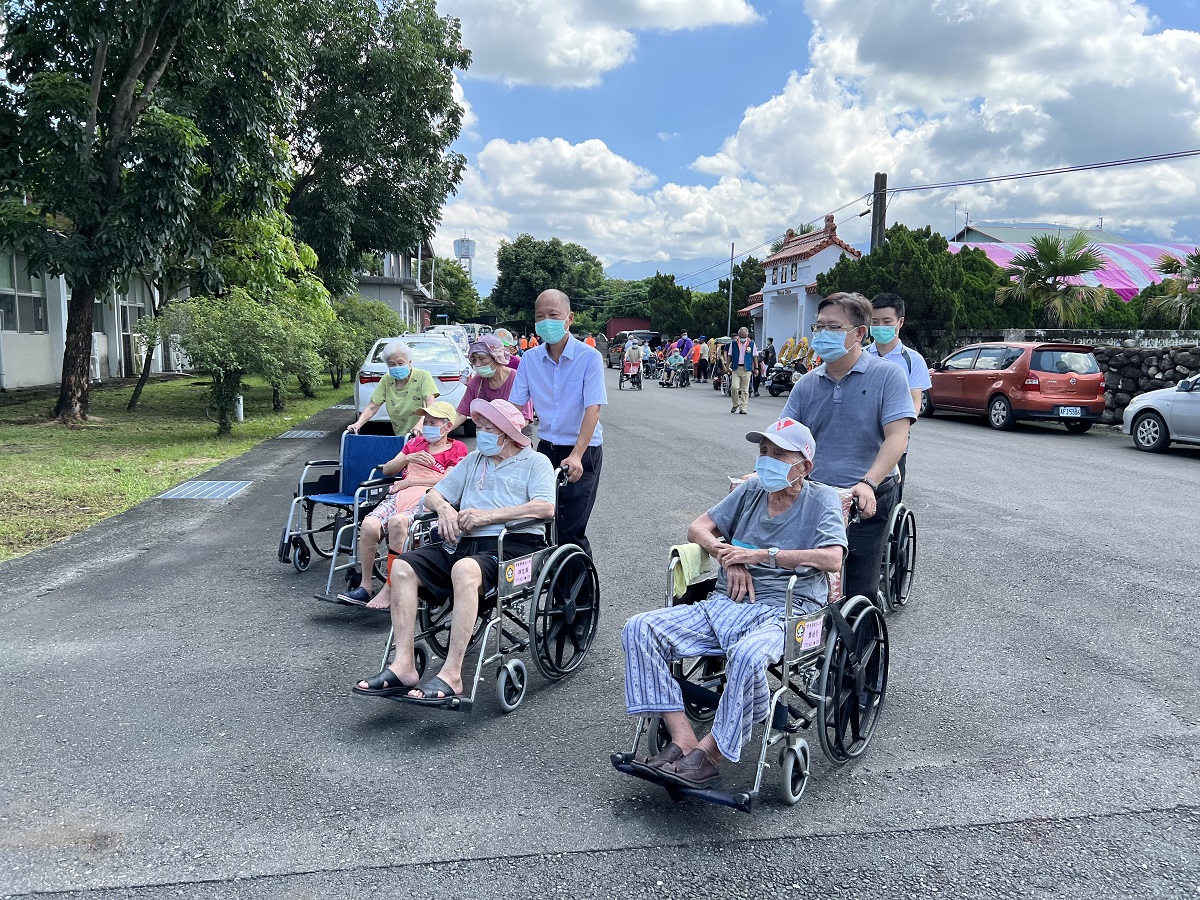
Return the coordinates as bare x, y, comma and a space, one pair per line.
1076, 427
1000, 414
1150, 432
926, 405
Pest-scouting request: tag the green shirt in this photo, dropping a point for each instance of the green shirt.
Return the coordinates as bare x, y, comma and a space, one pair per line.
403, 401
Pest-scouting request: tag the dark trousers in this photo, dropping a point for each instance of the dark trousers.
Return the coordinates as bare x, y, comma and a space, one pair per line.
703, 369
575, 501
866, 539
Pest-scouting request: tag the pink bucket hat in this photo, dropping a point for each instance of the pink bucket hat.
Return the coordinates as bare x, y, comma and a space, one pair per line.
492, 346
504, 416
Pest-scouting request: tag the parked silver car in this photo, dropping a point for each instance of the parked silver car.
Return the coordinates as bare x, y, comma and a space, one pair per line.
1156, 418
437, 354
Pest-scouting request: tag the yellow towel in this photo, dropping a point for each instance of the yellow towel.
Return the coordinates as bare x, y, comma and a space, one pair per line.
694, 565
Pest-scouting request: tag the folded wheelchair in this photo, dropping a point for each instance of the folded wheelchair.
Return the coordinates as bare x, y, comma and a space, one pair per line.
546, 602
333, 496
833, 675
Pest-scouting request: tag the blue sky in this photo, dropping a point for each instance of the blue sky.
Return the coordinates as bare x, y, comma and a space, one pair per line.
654, 132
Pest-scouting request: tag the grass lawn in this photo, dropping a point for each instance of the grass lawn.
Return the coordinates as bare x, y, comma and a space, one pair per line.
57, 481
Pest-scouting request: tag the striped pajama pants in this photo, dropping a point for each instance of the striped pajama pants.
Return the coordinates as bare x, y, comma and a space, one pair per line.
748, 635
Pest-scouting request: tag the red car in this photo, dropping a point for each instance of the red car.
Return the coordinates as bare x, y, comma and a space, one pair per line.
1011, 381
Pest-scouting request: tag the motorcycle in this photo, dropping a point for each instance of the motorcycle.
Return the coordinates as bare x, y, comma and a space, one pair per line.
782, 376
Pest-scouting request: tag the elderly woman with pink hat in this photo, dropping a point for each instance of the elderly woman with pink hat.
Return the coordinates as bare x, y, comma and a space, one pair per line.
491, 376
503, 480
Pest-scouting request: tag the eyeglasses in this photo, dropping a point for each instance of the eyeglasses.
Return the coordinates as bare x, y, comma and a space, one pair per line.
834, 329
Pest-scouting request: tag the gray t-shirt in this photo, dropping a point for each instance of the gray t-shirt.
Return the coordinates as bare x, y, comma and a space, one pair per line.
846, 417
479, 482
813, 520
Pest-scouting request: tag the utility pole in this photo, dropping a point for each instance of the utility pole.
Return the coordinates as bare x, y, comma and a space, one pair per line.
879, 211
729, 320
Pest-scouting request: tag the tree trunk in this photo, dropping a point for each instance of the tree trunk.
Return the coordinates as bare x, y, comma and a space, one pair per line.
307, 387
142, 379
77, 357
276, 398
225, 389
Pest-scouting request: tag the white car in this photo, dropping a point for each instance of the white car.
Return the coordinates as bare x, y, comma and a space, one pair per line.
437, 354
456, 333
1156, 418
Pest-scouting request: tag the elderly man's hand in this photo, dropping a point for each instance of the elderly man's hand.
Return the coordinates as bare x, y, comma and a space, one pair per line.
866, 499
448, 525
728, 555
470, 519
739, 584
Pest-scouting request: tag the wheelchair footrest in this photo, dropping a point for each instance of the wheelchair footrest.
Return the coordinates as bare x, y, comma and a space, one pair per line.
454, 704
739, 800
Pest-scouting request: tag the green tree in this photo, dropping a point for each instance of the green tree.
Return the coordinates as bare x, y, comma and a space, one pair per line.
1180, 289
527, 266
749, 277
1044, 277
916, 265
376, 119
451, 282
670, 305
357, 324
113, 119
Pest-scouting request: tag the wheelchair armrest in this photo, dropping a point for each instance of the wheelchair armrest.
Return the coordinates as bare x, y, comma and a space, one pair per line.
323, 462
516, 523
425, 517
380, 482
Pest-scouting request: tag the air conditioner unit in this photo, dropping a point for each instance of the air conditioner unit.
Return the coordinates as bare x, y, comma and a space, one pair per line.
95, 366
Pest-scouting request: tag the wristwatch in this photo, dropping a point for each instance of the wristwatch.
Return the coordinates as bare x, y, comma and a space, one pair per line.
772, 552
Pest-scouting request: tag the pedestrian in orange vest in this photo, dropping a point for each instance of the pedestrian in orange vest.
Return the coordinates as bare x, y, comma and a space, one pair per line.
524, 343
590, 341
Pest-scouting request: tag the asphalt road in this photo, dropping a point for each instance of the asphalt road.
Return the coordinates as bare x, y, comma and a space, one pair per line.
176, 717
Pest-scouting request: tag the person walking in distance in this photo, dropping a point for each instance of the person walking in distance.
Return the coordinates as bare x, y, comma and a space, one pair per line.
743, 357
564, 378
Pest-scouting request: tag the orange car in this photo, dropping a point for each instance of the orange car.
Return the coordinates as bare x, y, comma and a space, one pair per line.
1011, 381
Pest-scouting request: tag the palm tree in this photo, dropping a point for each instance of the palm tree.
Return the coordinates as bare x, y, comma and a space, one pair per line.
1042, 276
777, 244
1181, 287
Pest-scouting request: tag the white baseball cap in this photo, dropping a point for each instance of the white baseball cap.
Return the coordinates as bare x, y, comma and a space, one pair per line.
788, 434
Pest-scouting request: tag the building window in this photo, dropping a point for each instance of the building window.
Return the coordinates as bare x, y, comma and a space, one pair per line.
22, 296
794, 271
774, 274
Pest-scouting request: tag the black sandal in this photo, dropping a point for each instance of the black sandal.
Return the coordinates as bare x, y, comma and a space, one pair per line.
385, 683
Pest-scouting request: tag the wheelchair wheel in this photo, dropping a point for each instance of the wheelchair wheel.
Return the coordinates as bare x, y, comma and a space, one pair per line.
433, 622
511, 681
901, 558
793, 771
853, 683
565, 612
300, 555
658, 735
323, 527
621, 383
707, 672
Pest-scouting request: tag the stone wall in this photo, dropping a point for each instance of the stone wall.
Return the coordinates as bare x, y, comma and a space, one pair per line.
1131, 369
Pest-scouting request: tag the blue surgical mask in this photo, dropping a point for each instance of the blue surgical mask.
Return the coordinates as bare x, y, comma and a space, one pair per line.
551, 330
487, 443
829, 345
431, 433
399, 372
773, 474
883, 334
485, 371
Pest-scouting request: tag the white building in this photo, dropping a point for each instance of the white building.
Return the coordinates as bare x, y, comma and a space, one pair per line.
787, 304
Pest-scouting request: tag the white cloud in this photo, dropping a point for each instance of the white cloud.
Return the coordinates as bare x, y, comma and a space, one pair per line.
469, 119
927, 92
572, 43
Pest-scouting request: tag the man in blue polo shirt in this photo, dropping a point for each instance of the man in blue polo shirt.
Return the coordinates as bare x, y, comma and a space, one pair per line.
859, 410
887, 317
564, 378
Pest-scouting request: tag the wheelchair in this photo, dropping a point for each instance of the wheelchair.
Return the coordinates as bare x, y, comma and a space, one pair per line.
631, 372
333, 496
546, 602
678, 377
833, 675
899, 559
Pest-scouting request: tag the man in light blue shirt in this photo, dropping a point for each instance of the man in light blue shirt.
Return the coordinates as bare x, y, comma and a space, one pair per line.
887, 317
564, 378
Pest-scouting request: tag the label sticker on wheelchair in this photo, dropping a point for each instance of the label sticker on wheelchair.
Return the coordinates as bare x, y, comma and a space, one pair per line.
809, 634
509, 573
523, 571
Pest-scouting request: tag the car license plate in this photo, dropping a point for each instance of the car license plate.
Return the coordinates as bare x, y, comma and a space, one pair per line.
1070, 411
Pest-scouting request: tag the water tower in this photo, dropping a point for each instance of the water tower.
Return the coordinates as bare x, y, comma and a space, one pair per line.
464, 252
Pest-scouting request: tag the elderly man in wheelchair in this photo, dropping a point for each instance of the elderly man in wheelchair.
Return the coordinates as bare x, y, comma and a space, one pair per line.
767, 530
502, 483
